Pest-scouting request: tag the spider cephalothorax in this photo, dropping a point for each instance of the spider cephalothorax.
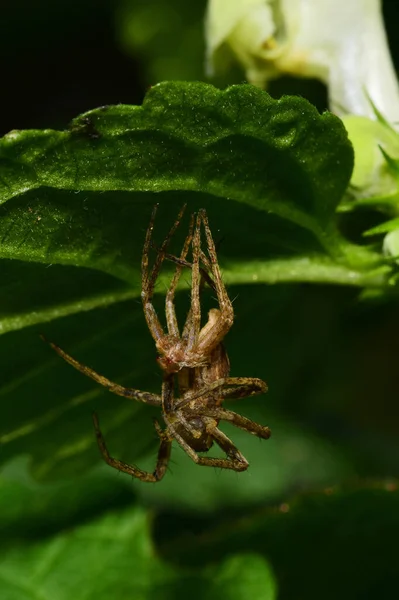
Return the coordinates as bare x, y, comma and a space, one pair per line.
196, 359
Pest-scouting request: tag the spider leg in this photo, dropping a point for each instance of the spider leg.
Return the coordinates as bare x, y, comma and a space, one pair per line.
229, 448
162, 460
168, 384
148, 279
115, 388
205, 260
170, 311
199, 275
205, 277
213, 335
239, 421
247, 386
235, 462
252, 385
193, 322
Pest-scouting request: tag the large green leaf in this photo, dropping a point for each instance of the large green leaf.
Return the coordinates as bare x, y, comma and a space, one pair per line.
280, 157
109, 556
65, 199
75, 207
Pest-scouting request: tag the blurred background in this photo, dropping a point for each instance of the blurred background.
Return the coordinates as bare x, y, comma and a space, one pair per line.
328, 353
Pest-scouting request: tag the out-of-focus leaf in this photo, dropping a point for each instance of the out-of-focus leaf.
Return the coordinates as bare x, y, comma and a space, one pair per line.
374, 182
386, 227
31, 511
110, 556
167, 37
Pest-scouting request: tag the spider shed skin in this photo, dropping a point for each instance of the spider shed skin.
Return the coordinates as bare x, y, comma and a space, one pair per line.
195, 361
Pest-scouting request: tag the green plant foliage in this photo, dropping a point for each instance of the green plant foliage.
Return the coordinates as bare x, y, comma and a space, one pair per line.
280, 158
75, 207
374, 183
299, 227
112, 556
373, 176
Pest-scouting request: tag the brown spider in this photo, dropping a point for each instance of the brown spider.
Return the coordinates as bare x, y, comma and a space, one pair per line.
196, 359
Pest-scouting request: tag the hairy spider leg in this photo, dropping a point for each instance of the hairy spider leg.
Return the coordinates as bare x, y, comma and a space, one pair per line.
115, 388
148, 279
206, 278
236, 460
151, 277
212, 336
246, 385
161, 464
168, 384
252, 385
229, 448
193, 322
222, 414
182, 263
244, 390
171, 319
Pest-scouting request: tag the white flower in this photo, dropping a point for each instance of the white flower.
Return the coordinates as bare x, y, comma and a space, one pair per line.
340, 42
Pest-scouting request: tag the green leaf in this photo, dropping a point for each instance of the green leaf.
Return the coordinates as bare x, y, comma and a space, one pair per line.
374, 182
75, 208
112, 555
243, 576
142, 149
95, 560
65, 199
386, 227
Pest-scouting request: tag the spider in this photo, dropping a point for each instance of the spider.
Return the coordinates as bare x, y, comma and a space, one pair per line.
196, 360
